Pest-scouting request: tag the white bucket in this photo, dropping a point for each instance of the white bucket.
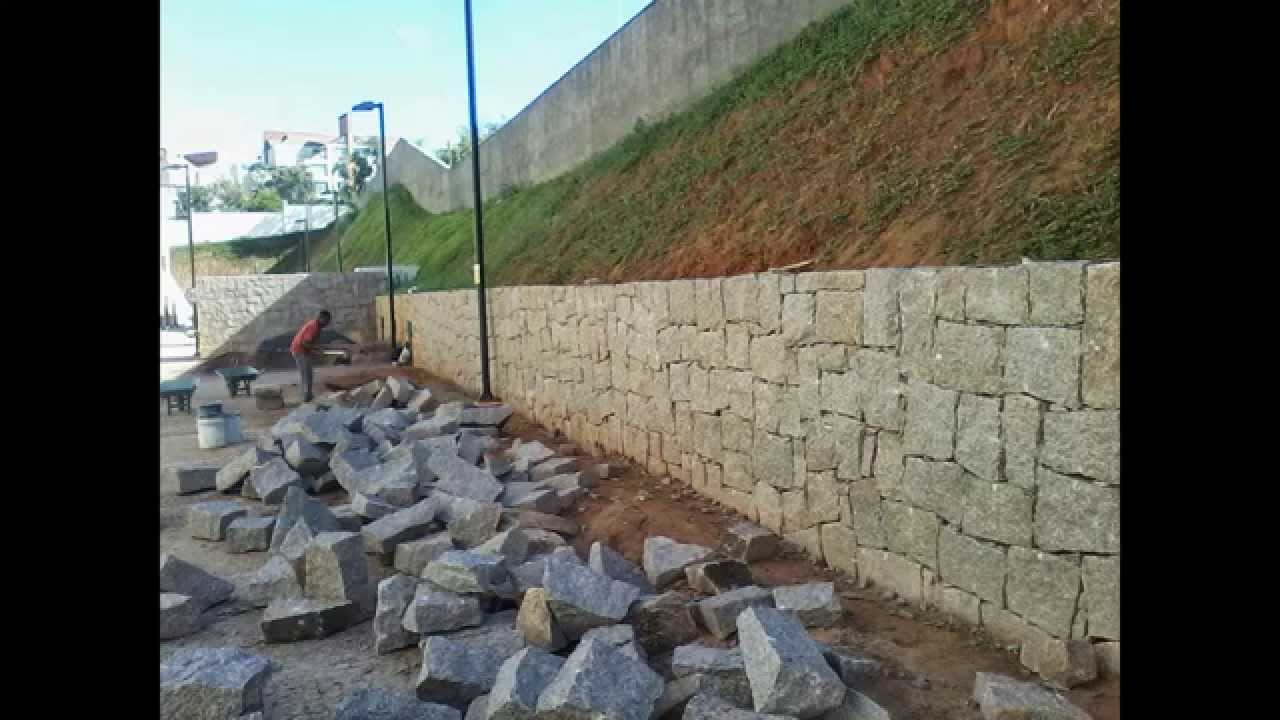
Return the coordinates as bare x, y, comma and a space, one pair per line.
211, 432
233, 429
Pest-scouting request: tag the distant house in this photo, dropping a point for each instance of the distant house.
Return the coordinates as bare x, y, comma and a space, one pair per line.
318, 152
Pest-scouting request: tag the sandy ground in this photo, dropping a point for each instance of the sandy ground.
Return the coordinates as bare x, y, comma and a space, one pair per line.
929, 662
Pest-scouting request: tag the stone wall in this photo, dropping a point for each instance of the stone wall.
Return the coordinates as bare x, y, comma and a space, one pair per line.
669, 55
238, 312
952, 434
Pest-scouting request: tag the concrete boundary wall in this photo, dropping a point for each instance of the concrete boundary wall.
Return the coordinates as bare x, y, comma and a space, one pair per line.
238, 312
669, 55
952, 434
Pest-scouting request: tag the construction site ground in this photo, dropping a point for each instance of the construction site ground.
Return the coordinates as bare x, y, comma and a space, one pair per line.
929, 662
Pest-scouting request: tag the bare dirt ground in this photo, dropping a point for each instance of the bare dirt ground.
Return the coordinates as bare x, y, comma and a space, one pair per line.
929, 663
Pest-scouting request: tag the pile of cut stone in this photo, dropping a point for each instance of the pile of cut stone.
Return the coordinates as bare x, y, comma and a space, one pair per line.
510, 622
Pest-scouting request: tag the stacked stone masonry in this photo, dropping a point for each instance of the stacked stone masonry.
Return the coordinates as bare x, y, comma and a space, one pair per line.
237, 313
952, 434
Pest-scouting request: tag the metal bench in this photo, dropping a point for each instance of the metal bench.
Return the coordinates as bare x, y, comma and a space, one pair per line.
238, 378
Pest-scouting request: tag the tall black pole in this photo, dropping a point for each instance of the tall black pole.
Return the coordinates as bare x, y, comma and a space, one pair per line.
191, 250
386, 208
485, 393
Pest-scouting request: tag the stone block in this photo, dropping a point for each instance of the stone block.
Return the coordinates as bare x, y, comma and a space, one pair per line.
381, 536
277, 578
931, 421
370, 508
978, 436
935, 486
707, 706
916, 300
200, 682
463, 571
1043, 588
435, 611
813, 604
1085, 442
972, 565
187, 479
1101, 348
336, 569
598, 680
471, 523
1102, 596
519, 683
809, 540
710, 305
543, 521
889, 464
1057, 293
958, 604
512, 545
892, 571
868, 521
798, 318
179, 615
998, 511
719, 613
839, 548
1000, 697
787, 671
737, 346
1108, 655
749, 543
210, 520
380, 704
1076, 515
604, 560
998, 295
665, 560
395, 594
246, 534
181, 577
461, 479
912, 532
1068, 663
857, 706
294, 619
663, 622
771, 359
271, 481
880, 307
235, 472
536, 622
767, 504
581, 599
838, 317
718, 576
772, 460
1020, 422
456, 671
1044, 363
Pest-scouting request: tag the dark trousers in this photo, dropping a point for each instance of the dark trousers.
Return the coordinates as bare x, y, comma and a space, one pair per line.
304, 374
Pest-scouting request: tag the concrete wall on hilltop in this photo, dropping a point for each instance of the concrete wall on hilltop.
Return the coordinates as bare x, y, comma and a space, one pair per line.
669, 55
952, 434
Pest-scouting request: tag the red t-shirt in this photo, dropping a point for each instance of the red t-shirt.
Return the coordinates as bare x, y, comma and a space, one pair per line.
307, 334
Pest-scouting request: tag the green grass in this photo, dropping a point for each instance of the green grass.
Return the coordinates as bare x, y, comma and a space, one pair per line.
1062, 55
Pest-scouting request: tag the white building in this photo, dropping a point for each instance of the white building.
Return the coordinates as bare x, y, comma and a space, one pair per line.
318, 152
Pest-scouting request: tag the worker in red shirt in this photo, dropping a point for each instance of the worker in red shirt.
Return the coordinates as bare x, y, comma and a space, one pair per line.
303, 345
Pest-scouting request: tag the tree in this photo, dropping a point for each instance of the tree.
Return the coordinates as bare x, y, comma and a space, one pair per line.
229, 194
363, 169
291, 183
201, 198
263, 200
455, 152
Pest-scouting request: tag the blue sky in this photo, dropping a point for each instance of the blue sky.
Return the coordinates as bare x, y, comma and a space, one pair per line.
231, 69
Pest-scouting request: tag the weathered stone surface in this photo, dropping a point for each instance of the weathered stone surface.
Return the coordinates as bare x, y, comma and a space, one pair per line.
336, 569
663, 622
271, 481
511, 545
718, 576
381, 536
894, 572
809, 540
179, 576
498, 633
472, 448
839, 548
785, 666
880, 307
972, 565
772, 460
868, 514
622, 637
665, 559
1068, 663
321, 483
749, 543
528, 574
544, 521
912, 532
436, 611
838, 317
998, 511
813, 604
486, 415
955, 603
478, 709
720, 613
1044, 363
935, 486
1083, 443
395, 482
348, 519
210, 520
421, 400
459, 478
798, 318
497, 465
600, 681
583, 479
857, 706
1020, 423
997, 295
383, 400
471, 523
433, 427
530, 453
294, 619
209, 683
931, 421
381, 704
277, 578
306, 458
706, 706
1057, 296
723, 672
457, 671
771, 359
1102, 596
1101, 362
188, 478
246, 534
543, 541
520, 681
395, 594
978, 436
346, 465
463, 571
370, 508
855, 671
676, 694
179, 615
1043, 588
605, 561
1076, 515
1108, 655
537, 624
234, 472
582, 599
517, 492
1000, 697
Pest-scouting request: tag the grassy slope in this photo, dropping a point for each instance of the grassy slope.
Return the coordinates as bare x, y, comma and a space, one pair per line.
896, 132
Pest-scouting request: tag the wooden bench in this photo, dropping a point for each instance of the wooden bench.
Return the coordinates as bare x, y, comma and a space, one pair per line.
177, 393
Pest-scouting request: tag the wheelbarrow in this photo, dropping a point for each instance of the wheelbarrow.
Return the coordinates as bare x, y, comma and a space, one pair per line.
177, 393
238, 378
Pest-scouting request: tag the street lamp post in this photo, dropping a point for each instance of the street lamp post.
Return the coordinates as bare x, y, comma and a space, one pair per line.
386, 207
485, 394
191, 248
